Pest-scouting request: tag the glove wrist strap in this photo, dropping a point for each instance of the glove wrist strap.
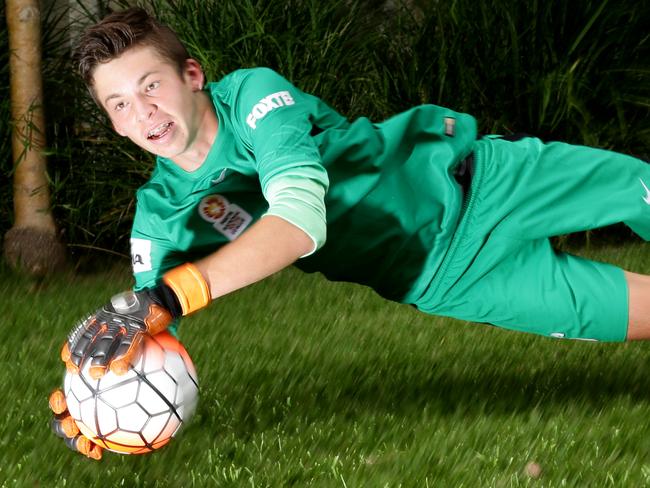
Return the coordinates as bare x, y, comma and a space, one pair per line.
169, 300
189, 286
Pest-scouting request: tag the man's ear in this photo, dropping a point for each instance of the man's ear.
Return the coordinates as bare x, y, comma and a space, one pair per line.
193, 74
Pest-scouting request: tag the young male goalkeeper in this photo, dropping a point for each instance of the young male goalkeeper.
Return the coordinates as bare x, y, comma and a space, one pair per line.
253, 175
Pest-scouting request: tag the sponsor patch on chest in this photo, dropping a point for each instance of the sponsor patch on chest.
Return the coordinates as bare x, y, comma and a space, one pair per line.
267, 104
226, 218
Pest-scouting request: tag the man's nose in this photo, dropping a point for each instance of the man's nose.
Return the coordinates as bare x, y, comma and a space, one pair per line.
144, 109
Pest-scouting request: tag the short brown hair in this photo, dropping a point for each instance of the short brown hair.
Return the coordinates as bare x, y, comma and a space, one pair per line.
121, 31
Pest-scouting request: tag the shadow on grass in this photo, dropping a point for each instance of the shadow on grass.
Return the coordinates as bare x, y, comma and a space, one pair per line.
417, 388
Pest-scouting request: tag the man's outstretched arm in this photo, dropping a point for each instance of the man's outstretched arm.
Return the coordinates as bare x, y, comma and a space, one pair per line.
110, 337
270, 245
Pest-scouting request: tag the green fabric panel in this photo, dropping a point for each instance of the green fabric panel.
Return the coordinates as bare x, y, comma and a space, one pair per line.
391, 207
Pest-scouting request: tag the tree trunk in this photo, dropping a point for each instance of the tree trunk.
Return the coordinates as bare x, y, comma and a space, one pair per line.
32, 244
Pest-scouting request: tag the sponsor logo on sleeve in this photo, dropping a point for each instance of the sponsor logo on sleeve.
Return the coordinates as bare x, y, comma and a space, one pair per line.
226, 218
141, 255
267, 104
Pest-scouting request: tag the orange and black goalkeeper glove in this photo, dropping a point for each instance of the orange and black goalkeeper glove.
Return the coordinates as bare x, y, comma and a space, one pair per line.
65, 427
110, 337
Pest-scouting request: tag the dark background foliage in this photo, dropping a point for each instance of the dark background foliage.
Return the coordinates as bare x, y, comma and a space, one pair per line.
576, 71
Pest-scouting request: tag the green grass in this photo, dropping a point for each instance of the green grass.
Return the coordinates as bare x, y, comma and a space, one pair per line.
311, 383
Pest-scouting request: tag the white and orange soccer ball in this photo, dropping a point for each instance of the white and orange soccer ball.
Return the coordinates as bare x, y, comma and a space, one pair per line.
139, 411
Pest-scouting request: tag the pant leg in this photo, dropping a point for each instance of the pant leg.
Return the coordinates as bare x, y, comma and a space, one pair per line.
557, 188
501, 268
524, 285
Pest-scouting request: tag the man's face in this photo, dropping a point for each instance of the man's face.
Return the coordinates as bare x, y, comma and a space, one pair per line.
149, 102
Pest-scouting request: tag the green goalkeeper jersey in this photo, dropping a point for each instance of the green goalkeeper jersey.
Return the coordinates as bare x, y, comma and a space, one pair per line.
390, 198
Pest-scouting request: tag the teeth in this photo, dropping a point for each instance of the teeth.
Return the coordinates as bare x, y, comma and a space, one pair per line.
159, 130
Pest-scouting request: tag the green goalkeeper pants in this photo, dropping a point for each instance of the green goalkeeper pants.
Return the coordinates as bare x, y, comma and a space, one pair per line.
501, 268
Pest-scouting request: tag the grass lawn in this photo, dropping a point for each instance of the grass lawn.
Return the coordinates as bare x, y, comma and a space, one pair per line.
309, 383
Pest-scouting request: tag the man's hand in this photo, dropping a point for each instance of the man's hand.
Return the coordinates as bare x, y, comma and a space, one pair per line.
64, 426
112, 334
110, 337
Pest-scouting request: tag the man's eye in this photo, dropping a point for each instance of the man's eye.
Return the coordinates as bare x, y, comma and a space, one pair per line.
152, 86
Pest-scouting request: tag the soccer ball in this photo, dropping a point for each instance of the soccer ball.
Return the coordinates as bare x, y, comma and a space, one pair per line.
141, 410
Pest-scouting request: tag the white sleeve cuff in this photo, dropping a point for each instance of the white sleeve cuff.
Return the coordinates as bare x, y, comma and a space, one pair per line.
300, 201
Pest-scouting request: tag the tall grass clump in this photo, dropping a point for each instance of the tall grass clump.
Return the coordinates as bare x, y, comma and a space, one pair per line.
574, 71
578, 72
94, 172
326, 48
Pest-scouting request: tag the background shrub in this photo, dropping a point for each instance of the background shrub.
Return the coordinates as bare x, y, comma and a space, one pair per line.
575, 71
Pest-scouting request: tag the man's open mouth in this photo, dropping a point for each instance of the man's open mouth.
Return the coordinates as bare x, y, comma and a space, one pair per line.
160, 131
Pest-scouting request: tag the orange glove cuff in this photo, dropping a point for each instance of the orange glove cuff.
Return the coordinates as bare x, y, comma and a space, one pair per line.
189, 286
